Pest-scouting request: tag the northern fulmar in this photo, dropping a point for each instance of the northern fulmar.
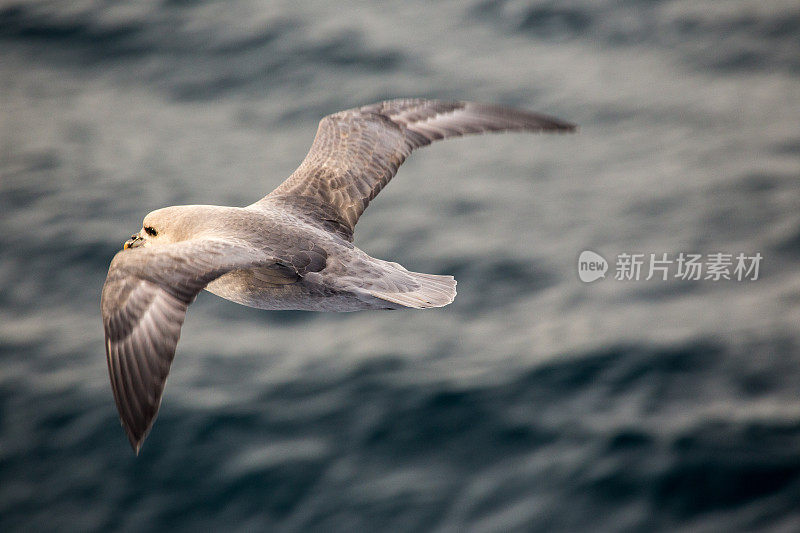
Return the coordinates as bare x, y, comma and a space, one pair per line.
292, 249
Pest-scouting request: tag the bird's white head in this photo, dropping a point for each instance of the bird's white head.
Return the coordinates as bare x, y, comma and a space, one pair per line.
164, 226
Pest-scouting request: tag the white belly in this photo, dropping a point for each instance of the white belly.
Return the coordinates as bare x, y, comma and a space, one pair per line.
246, 288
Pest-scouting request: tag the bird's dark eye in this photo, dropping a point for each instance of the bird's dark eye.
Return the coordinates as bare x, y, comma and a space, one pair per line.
150, 231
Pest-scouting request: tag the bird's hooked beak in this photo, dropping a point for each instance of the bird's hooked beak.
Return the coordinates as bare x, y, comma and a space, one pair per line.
135, 241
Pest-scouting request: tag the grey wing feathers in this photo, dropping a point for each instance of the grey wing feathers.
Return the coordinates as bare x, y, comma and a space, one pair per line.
356, 152
140, 344
144, 303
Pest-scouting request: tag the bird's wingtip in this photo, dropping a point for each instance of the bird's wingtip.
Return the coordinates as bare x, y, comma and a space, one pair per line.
566, 127
135, 442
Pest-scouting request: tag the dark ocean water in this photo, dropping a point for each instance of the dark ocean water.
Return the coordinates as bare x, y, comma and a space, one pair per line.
534, 402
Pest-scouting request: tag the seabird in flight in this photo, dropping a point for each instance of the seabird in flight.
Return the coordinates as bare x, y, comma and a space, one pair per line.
292, 249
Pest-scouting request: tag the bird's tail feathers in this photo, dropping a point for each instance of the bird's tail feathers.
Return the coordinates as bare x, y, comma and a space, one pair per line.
431, 291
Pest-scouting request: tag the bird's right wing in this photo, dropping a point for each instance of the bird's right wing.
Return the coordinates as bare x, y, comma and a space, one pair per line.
356, 152
143, 303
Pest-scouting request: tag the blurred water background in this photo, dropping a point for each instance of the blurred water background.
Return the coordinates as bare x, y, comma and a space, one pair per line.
534, 402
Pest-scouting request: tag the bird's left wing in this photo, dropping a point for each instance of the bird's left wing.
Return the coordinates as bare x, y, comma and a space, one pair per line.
144, 302
356, 152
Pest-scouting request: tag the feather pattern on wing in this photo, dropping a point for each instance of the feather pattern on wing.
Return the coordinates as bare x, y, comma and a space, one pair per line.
144, 303
356, 152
